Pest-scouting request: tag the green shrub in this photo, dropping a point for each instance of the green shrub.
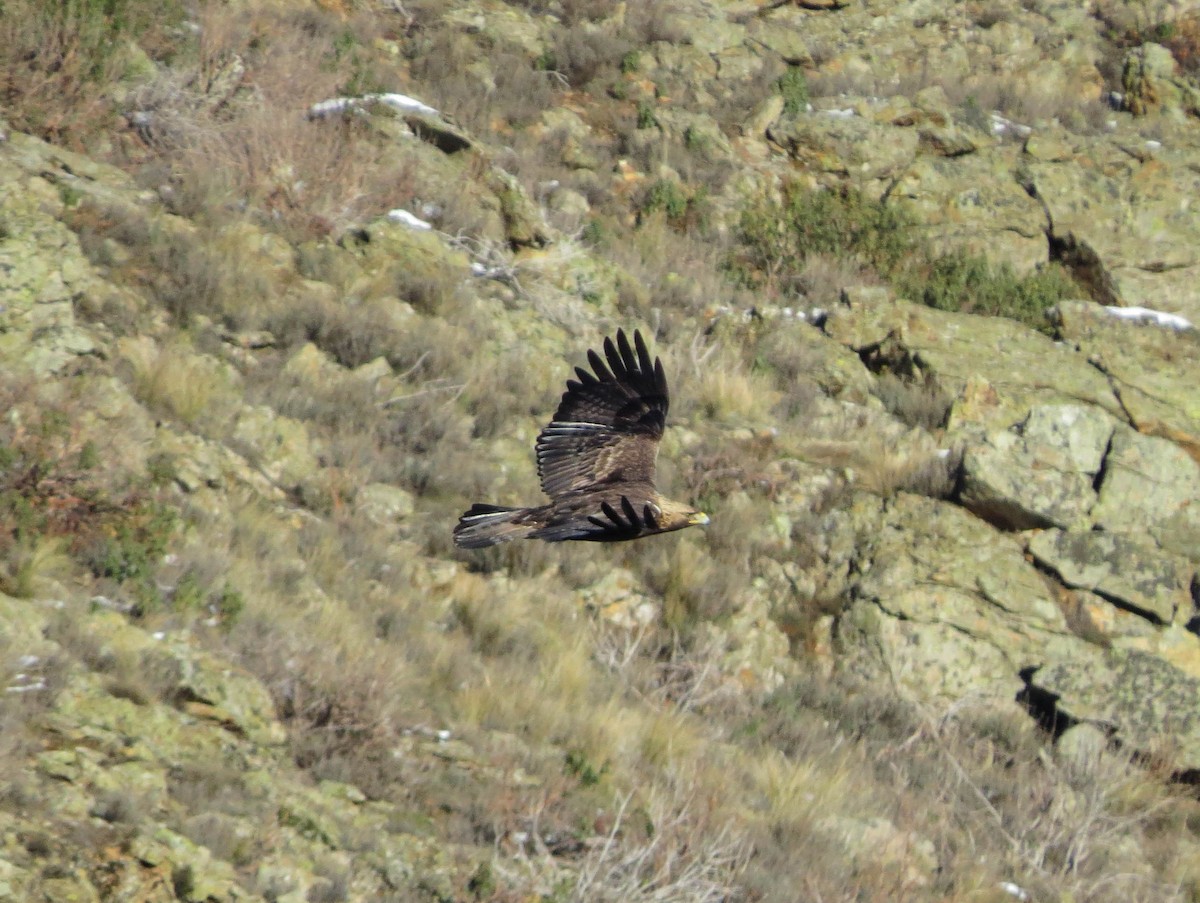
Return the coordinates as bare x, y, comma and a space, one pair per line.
967, 282
645, 116
793, 87
668, 197
682, 208
777, 237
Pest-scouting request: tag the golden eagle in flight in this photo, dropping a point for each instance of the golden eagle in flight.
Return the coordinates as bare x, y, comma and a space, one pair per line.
595, 460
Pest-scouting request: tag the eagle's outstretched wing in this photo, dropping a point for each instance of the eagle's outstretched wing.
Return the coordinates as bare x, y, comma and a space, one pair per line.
608, 425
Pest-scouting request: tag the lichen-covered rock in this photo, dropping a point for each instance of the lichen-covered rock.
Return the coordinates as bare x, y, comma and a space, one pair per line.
946, 606
995, 369
1041, 472
42, 273
831, 142
972, 204
878, 843
1150, 486
1147, 702
209, 688
15, 882
196, 874
1154, 370
1135, 575
279, 445
1176, 644
382, 503
1147, 255
617, 597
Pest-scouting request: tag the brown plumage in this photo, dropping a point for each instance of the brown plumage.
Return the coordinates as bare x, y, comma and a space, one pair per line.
595, 460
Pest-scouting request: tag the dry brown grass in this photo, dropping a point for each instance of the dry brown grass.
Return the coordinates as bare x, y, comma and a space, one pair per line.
230, 125
59, 61
179, 383
919, 402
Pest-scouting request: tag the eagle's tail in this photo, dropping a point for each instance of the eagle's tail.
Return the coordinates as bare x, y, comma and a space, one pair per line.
486, 525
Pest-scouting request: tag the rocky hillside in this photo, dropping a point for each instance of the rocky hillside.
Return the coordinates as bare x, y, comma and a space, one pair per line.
286, 286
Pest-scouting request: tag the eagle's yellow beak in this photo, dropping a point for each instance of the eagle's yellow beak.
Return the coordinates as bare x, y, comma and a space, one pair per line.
699, 519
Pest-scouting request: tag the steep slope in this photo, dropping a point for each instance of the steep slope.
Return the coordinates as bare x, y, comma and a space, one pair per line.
283, 288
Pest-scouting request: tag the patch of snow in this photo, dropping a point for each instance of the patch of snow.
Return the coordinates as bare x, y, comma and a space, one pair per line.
399, 215
1146, 315
1014, 890
26, 688
336, 105
847, 113
1002, 125
401, 102
404, 103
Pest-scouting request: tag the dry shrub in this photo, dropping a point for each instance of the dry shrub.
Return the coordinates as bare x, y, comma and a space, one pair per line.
1184, 42
694, 587
517, 390
981, 786
513, 94
721, 387
30, 566
189, 271
736, 100
673, 282
917, 402
582, 55
232, 124
673, 848
881, 465
651, 22
378, 668
178, 383
352, 333
60, 61
824, 277
702, 576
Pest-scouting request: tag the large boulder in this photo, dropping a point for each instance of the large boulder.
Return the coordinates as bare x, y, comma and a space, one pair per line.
1154, 370
948, 607
1133, 574
1116, 216
1150, 487
1147, 702
1040, 472
993, 368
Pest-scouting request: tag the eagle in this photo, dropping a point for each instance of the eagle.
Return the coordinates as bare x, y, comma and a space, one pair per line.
595, 460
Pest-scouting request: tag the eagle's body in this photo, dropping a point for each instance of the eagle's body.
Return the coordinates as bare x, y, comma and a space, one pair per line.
596, 460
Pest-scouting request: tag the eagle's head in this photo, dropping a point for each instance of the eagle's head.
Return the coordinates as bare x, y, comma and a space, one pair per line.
676, 515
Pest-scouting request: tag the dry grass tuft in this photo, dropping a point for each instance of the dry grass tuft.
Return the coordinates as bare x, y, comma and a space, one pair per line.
919, 403
59, 61
175, 381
